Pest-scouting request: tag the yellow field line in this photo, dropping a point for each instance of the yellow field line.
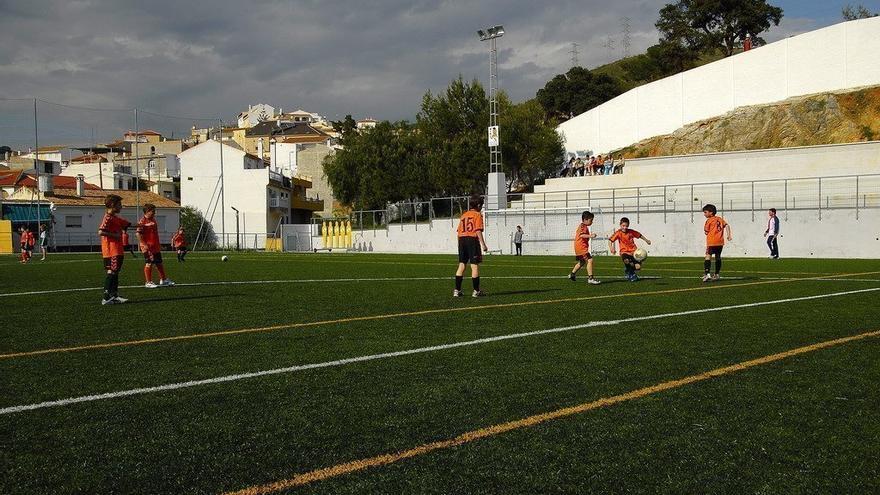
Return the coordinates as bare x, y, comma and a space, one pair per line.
386, 316
497, 429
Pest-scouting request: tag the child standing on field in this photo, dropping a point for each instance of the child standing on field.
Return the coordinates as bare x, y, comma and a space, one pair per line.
112, 248
626, 238
714, 229
470, 243
582, 254
178, 242
148, 240
44, 241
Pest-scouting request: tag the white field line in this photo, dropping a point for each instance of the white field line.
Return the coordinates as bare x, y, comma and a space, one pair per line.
415, 279
419, 350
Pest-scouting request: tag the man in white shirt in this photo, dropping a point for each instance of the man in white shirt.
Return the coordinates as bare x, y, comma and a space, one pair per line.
772, 233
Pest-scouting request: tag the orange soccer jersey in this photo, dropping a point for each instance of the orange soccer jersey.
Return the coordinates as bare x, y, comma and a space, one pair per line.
149, 231
714, 229
626, 239
113, 246
471, 222
581, 244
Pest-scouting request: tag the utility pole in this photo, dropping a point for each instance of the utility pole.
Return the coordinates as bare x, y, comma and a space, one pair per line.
37, 161
627, 35
609, 45
222, 183
574, 54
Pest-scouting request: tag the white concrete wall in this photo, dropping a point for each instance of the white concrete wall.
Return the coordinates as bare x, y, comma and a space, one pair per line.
784, 163
673, 234
830, 59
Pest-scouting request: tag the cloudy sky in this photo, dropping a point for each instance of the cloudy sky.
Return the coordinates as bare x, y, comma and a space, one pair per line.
369, 59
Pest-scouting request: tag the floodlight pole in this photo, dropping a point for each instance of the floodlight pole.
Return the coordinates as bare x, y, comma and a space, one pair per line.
494, 151
137, 165
497, 182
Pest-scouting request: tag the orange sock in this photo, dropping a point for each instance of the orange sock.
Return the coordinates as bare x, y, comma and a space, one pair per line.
161, 272
148, 273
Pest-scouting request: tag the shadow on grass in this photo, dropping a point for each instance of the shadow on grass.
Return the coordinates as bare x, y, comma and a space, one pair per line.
185, 298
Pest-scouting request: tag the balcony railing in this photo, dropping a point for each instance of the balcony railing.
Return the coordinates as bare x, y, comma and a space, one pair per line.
279, 203
310, 204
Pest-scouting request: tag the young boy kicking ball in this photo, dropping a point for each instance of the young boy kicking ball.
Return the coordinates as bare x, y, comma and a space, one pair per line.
626, 238
582, 254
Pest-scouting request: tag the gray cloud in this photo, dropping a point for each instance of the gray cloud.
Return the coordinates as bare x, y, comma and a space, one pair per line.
213, 58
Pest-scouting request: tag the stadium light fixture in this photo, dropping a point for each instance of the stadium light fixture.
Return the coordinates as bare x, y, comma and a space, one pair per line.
491, 33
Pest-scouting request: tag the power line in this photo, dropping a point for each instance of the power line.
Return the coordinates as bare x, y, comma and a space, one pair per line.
609, 45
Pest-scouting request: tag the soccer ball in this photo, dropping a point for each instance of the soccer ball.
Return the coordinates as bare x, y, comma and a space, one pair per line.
640, 254
224, 258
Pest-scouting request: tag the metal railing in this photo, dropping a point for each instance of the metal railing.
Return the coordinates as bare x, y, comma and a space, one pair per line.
821, 194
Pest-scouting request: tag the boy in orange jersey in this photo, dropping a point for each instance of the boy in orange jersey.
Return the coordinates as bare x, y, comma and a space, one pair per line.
582, 254
626, 238
178, 242
714, 229
148, 240
470, 243
112, 249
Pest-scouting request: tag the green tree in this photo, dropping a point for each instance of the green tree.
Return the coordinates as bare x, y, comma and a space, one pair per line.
452, 128
191, 219
853, 12
345, 126
532, 150
708, 25
576, 91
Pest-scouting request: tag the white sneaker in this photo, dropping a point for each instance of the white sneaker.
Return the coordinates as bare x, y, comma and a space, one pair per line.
707, 278
166, 283
120, 300
593, 281
478, 293
105, 302
150, 285
456, 293
716, 277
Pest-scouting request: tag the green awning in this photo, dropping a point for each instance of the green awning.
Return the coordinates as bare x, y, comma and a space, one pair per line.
25, 213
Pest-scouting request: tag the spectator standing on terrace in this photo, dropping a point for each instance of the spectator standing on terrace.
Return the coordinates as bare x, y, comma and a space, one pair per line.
591, 165
567, 168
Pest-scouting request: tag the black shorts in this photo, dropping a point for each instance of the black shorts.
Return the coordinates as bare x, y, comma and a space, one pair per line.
629, 259
153, 258
113, 263
583, 258
469, 250
716, 250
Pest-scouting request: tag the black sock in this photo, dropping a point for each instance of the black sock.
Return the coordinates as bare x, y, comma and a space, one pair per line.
707, 265
114, 285
717, 264
458, 280
108, 286
476, 282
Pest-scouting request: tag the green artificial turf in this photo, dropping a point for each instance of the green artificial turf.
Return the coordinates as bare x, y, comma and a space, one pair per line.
805, 424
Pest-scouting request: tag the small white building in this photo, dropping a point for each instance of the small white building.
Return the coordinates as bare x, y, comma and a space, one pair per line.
263, 198
74, 208
255, 114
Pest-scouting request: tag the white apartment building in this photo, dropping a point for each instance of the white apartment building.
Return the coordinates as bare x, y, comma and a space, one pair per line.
263, 198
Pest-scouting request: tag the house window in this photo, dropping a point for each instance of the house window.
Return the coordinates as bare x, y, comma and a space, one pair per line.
47, 168
73, 221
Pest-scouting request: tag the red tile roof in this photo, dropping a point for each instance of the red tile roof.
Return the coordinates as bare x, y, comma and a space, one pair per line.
19, 179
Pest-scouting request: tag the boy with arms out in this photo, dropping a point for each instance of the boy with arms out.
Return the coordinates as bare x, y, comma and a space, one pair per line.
112, 248
148, 240
626, 238
178, 241
714, 229
470, 241
582, 254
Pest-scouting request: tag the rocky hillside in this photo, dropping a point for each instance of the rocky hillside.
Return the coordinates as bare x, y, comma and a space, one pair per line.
842, 117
